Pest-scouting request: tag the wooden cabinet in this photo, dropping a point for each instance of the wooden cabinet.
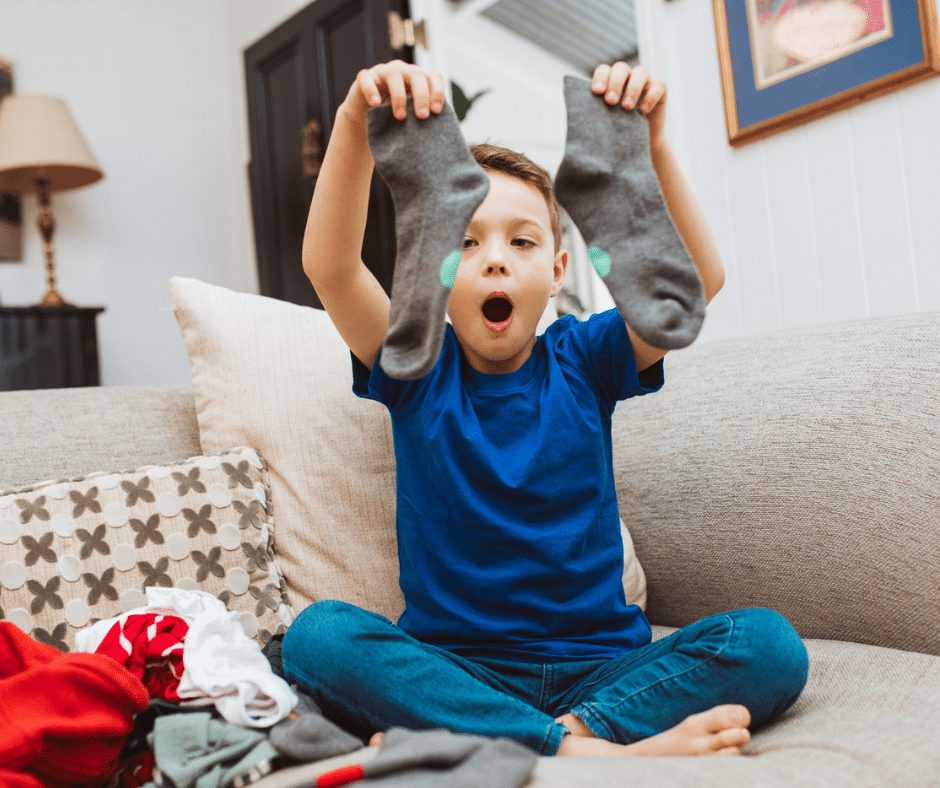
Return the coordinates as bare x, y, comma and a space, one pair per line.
45, 347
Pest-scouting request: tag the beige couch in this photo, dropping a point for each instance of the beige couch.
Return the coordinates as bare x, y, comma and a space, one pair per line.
797, 470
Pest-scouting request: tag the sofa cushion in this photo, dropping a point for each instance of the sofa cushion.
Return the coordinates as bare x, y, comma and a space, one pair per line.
278, 377
72, 553
62, 433
795, 470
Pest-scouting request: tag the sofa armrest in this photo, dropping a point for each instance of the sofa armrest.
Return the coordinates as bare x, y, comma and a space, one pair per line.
62, 433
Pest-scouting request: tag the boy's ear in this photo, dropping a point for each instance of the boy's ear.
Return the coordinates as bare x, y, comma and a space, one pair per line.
561, 266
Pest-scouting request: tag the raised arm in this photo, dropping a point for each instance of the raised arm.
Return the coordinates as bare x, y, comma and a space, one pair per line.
635, 88
332, 247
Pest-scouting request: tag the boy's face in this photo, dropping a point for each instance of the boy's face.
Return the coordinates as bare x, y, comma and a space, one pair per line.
508, 271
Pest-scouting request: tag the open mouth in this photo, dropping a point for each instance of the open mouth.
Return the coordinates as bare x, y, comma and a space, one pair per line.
497, 312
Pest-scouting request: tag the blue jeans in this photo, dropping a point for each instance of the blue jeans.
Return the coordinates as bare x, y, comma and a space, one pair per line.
368, 675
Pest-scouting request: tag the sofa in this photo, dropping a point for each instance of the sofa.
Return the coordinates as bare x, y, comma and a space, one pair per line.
797, 470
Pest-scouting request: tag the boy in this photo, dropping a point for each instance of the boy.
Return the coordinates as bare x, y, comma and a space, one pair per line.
516, 623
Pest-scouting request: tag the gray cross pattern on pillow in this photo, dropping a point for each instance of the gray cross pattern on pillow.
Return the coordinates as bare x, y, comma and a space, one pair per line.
137, 492
41, 549
86, 501
30, 509
149, 530
188, 481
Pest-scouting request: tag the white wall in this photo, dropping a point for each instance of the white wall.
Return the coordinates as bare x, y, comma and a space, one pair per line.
833, 220
158, 91
525, 109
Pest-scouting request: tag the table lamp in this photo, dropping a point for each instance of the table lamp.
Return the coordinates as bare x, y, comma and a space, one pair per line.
42, 151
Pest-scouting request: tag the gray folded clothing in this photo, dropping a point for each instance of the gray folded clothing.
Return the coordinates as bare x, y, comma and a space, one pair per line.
306, 735
439, 759
196, 751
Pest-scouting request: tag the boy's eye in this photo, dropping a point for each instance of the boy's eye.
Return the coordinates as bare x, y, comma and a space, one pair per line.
523, 243
468, 242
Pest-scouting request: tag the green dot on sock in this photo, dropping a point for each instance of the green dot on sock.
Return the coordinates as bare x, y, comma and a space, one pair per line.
600, 260
449, 269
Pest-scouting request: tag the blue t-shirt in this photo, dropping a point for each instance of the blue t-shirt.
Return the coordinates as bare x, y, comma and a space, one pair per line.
508, 528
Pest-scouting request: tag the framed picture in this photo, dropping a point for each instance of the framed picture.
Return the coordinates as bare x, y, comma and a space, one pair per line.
11, 237
785, 62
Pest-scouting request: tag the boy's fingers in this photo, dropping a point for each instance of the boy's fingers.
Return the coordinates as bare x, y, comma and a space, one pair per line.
438, 92
639, 79
368, 87
619, 73
394, 82
599, 80
397, 94
421, 93
655, 94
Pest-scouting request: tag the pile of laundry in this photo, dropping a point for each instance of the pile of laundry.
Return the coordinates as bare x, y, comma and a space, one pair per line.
174, 694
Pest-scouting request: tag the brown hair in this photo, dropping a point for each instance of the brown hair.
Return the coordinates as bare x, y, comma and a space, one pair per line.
493, 157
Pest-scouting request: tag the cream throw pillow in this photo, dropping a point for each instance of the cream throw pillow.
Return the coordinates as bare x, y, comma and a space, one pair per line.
278, 377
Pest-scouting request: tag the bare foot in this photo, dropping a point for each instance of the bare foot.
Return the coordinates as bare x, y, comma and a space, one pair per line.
721, 730
376, 740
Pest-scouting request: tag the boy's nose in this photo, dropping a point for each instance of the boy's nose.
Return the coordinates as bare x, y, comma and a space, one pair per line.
495, 258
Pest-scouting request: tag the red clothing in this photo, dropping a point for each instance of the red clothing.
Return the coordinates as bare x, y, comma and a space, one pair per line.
9, 779
150, 646
64, 718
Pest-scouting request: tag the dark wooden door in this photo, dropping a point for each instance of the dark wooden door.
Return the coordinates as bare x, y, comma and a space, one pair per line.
297, 76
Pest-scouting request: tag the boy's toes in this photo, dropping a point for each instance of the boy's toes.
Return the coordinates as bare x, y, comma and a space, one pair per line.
721, 718
732, 737
376, 740
720, 730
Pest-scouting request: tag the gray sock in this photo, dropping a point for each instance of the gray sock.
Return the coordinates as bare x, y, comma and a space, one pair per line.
436, 186
607, 184
306, 735
440, 759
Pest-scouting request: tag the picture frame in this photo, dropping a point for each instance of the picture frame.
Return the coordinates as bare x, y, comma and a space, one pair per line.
11, 232
787, 62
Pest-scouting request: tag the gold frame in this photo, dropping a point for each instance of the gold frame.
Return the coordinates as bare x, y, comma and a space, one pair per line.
11, 230
929, 67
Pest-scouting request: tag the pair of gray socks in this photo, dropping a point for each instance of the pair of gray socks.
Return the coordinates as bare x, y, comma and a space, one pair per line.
607, 184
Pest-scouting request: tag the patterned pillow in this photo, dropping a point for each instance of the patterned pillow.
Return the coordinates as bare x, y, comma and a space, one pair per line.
78, 551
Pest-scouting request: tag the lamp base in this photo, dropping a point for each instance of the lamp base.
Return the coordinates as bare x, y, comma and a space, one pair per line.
47, 228
53, 298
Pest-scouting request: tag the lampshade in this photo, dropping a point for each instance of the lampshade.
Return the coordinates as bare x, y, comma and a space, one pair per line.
40, 140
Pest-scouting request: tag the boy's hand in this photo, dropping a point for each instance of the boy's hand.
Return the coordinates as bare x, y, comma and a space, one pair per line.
392, 83
642, 91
